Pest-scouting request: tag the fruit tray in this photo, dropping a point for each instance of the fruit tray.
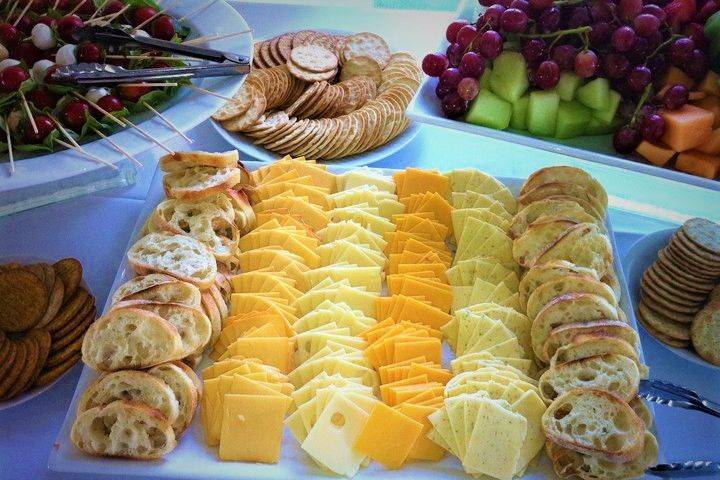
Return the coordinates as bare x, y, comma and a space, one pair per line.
193, 459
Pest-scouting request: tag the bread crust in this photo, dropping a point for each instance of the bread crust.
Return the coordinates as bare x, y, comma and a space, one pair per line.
569, 209
565, 334
583, 244
566, 174
539, 274
158, 287
179, 161
567, 284
198, 182
536, 238
184, 390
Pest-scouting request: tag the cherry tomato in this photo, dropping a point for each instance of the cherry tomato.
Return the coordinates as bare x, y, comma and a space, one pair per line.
12, 77
44, 126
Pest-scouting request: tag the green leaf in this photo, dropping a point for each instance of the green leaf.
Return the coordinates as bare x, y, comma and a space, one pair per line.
28, 85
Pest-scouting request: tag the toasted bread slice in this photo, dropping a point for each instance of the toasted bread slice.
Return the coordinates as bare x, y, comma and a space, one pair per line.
567, 284
134, 386
245, 219
616, 374
130, 338
554, 189
547, 272
571, 464
565, 334
198, 182
586, 345
584, 245
185, 392
178, 161
568, 175
192, 324
181, 256
158, 287
568, 308
213, 313
595, 422
569, 209
537, 237
123, 429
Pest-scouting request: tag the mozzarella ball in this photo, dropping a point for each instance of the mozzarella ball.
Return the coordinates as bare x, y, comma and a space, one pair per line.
42, 37
66, 55
95, 94
3, 52
8, 62
39, 69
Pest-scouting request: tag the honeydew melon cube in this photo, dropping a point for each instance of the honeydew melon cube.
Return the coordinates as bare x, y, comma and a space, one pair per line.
568, 85
542, 112
509, 76
489, 110
485, 78
598, 127
594, 94
518, 120
608, 113
572, 118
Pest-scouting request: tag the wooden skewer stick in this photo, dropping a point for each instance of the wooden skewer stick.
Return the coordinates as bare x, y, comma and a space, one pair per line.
9, 145
206, 92
174, 84
208, 38
31, 117
149, 84
77, 7
7, 17
197, 11
86, 154
109, 18
22, 14
100, 109
149, 137
168, 122
98, 9
157, 14
57, 2
117, 147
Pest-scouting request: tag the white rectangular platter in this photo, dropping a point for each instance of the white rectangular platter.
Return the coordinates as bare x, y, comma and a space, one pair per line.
193, 459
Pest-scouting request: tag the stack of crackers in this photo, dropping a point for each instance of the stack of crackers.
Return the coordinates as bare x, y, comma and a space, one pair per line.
323, 95
44, 313
678, 284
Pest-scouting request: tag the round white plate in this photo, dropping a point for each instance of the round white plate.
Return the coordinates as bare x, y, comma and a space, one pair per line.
639, 258
33, 392
245, 145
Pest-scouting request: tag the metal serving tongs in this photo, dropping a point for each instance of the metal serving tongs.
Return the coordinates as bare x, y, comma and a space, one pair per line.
228, 64
671, 395
692, 468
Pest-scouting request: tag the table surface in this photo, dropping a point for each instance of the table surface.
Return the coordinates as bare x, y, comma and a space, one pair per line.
96, 228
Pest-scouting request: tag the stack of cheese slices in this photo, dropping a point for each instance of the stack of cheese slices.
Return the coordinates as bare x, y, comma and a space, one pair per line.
163, 320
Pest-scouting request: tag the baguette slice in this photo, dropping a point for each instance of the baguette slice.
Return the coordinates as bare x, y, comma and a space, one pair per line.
192, 376
564, 309
616, 374
191, 323
570, 464
220, 301
536, 239
583, 244
134, 386
213, 313
178, 161
569, 209
586, 345
199, 182
158, 287
554, 189
130, 338
568, 175
565, 334
123, 429
595, 422
185, 392
567, 284
245, 219
177, 255
547, 272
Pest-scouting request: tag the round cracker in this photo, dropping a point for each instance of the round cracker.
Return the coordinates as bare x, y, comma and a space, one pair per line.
69, 309
710, 257
70, 271
7, 358
239, 104
664, 325
57, 297
84, 319
703, 233
676, 269
49, 375
367, 44
705, 334
285, 45
313, 58
15, 369
685, 254
44, 342
267, 58
249, 118
673, 342
300, 37
308, 76
28, 368
361, 65
665, 302
661, 271
23, 300
672, 290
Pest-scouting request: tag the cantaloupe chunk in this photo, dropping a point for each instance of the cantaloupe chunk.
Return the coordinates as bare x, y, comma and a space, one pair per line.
674, 76
710, 84
698, 163
712, 145
713, 104
687, 127
658, 155
696, 95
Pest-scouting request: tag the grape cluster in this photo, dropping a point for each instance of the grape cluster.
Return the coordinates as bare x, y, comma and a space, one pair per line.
629, 42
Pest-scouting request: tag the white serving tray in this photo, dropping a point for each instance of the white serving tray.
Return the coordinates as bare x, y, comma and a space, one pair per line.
193, 459
64, 174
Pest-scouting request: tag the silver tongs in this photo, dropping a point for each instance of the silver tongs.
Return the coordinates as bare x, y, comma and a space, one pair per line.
692, 468
671, 395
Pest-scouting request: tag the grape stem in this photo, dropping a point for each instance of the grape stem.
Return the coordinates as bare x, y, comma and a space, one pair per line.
664, 44
559, 33
560, 3
641, 102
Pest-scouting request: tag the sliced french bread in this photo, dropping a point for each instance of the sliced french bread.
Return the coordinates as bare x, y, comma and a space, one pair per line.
198, 182
565, 334
578, 192
178, 161
547, 272
191, 375
567, 284
185, 392
536, 238
123, 429
567, 175
213, 313
584, 245
158, 287
586, 345
569, 209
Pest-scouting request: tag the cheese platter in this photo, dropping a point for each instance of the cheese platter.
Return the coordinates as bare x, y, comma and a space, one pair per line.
406, 283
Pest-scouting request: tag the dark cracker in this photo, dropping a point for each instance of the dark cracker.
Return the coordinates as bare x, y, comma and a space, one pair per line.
78, 331
662, 271
70, 271
49, 375
664, 325
691, 252
7, 358
31, 362
663, 302
703, 233
44, 342
673, 342
672, 289
23, 299
68, 311
710, 257
17, 367
681, 268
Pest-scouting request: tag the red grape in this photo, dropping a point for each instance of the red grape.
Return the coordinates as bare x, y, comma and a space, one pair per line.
513, 20
75, 113
675, 97
579, 16
466, 35
113, 7
521, 5
434, 64
600, 34
639, 52
629, 9
468, 88
472, 65
680, 50
696, 66
655, 10
657, 65
616, 65
441, 91
486, 3
586, 63
454, 54
646, 24
679, 12
12, 77
564, 56
62, 5
454, 105
26, 52
696, 32
549, 20
534, 50
623, 39
638, 78
67, 26
44, 125
652, 127
541, 4
142, 14
163, 28
450, 78
547, 75
42, 98
710, 7
626, 139
492, 15
9, 35
89, 53
453, 29
490, 44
